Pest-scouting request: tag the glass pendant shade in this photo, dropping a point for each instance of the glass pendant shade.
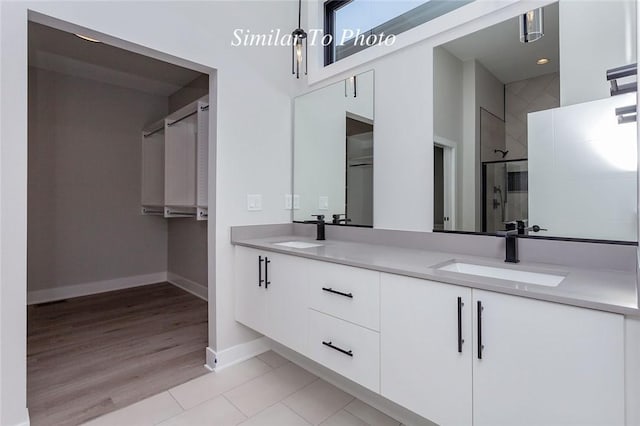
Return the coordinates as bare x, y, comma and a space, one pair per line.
299, 37
532, 26
299, 51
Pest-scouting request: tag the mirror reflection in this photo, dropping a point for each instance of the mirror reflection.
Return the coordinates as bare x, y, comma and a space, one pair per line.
530, 130
333, 153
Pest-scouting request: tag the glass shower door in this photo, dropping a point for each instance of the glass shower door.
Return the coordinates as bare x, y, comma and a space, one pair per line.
505, 194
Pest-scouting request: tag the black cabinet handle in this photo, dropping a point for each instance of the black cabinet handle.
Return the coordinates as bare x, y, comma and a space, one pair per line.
329, 344
480, 346
460, 339
266, 272
260, 280
330, 290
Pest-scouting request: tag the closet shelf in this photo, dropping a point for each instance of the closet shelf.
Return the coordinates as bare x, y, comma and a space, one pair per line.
175, 161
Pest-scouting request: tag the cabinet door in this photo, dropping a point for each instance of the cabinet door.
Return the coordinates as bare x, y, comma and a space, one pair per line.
251, 297
286, 300
422, 368
546, 364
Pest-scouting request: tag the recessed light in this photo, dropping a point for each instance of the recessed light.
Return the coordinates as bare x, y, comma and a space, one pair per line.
93, 40
542, 61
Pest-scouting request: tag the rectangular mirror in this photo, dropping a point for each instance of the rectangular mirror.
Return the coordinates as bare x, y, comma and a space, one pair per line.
333, 153
533, 125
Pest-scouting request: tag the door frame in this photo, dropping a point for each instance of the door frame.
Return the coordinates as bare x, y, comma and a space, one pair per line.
449, 150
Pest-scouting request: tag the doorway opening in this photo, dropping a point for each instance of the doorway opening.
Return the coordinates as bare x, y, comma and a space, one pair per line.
117, 285
444, 185
359, 170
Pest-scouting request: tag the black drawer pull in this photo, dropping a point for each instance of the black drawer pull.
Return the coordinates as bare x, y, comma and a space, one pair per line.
349, 353
266, 272
460, 339
480, 345
260, 280
330, 290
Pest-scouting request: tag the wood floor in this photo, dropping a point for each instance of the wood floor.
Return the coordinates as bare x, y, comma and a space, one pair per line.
91, 355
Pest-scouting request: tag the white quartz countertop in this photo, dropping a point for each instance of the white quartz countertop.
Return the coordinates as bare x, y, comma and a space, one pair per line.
606, 290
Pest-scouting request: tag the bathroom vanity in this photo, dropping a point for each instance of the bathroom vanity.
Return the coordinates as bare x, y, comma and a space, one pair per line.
453, 347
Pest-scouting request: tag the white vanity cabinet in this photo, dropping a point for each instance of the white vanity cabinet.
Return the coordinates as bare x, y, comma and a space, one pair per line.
452, 354
546, 364
271, 297
426, 348
523, 361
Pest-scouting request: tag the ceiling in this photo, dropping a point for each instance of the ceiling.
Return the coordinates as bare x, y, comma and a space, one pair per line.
499, 49
63, 52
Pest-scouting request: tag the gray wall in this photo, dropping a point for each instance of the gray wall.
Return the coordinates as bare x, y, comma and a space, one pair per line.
187, 255
84, 221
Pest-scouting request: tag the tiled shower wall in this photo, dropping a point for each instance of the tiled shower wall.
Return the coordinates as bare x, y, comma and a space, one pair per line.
522, 97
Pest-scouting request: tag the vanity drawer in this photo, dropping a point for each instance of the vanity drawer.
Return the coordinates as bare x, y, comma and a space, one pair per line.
352, 294
345, 348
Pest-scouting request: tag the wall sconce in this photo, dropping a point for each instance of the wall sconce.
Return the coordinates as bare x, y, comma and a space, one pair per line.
532, 26
299, 38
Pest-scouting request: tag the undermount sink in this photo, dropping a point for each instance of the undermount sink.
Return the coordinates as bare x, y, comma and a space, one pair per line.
297, 244
528, 277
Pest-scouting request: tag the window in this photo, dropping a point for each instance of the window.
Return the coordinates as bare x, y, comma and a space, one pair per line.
358, 24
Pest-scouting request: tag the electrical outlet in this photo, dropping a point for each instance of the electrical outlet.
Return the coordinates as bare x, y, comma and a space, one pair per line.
288, 201
296, 202
254, 202
323, 202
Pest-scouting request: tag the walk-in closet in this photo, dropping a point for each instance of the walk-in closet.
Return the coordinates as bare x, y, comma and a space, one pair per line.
118, 166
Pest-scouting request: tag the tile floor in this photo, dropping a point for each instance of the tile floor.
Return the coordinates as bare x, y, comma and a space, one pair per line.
267, 390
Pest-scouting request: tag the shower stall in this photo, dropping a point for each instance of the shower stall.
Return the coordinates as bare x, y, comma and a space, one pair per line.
505, 193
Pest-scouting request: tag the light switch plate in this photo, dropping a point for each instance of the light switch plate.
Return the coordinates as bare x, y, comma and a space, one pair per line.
296, 202
254, 202
288, 201
323, 202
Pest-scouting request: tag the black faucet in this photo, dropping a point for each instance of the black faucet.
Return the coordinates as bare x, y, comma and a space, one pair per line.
511, 240
336, 219
320, 225
511, 252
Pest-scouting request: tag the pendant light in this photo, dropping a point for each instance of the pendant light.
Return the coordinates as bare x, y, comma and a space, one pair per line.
299, 38
532, 26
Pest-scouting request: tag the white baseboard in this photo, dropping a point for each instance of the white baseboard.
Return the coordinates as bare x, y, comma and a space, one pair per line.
189, 286
220, 360
96, 287
375, 400
26, 422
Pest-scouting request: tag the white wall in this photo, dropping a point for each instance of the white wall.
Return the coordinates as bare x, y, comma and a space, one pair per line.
84, 168
3, 316
583, 171
447, 95
253, 140
594, 36
13, 217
